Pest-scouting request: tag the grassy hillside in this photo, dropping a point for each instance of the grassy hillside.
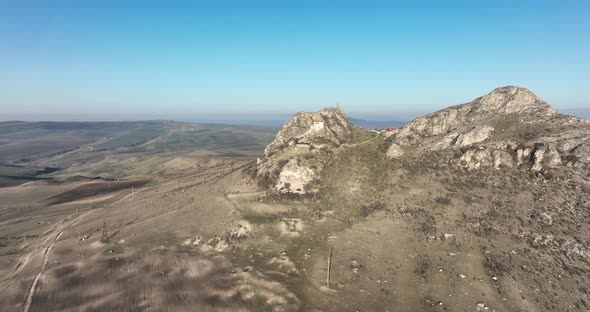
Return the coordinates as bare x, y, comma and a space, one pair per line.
22, 142
31, 151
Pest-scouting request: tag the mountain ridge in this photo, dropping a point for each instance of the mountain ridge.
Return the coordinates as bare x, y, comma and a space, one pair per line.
509, 127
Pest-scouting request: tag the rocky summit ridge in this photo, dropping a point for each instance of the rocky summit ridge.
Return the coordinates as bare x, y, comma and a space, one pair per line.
501, 101
508, 127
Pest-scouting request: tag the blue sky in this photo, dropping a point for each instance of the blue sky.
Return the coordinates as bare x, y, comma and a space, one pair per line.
200, 60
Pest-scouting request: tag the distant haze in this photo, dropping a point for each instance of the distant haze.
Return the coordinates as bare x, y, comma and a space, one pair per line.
207, 60
275, 121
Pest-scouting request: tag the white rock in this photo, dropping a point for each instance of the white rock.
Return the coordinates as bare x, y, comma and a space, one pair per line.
294, 177
475, 135
502, 159
538, 156
449, 236
474, 159
523, 155
394, 151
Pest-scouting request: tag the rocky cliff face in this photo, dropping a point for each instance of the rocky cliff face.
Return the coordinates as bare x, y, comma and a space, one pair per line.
501, 101
508, 127
328, 126
293, 161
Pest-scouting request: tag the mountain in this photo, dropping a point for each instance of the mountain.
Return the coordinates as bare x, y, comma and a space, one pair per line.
508, 127
483, 206
479, 206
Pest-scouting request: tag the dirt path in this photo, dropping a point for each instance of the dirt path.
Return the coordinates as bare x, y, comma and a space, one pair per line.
363, 142
31, 291
25, 260
73, 220
232, 197
60, 230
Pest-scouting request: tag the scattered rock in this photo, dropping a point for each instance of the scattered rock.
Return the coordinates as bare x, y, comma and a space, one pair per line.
355, 265
291, 226
482, 307
255, 287
239, 231
193, 241
449, 236
284, 264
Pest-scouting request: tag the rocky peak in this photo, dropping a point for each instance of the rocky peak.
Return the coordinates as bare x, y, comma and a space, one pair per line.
508, 127
329, 126
511, 100
501, 101
293, 161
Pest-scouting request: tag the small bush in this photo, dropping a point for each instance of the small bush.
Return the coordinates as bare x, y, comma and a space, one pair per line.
442, 200
422, 266
366, 210
11, 252
495, 265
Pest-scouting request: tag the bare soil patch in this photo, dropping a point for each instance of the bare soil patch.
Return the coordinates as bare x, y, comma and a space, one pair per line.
93, 189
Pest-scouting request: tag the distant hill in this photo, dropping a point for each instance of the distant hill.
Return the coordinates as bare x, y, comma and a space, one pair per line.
23, 142
278, 121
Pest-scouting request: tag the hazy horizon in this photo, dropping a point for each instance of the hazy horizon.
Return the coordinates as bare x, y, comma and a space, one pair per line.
234, 119
135, 60
247, 120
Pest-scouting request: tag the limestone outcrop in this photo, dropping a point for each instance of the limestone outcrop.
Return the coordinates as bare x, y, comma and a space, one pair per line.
506, 128
293, 162
501, 101
329, 126
475, 135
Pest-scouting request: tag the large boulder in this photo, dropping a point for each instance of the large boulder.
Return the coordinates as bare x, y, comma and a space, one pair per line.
394, 151
296, 177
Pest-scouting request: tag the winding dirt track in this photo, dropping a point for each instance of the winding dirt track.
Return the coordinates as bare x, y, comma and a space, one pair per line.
60, 230
63, 228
